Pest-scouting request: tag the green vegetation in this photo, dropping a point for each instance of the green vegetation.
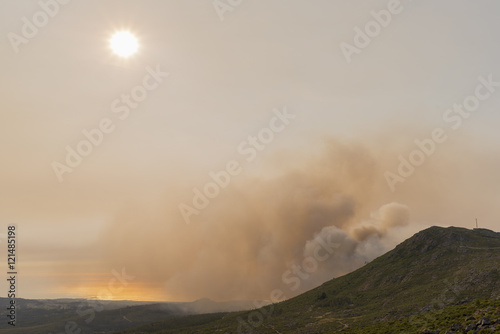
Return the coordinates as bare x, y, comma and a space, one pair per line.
430, 281
457, 318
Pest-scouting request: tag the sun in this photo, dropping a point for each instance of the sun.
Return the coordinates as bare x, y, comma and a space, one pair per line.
124, 44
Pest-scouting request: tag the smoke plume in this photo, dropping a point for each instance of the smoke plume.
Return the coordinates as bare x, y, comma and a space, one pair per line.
241, 246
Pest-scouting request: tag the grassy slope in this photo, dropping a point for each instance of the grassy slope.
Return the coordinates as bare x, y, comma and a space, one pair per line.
434, 268
441, 320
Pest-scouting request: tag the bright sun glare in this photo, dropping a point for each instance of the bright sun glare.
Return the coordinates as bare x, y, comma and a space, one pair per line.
124, 44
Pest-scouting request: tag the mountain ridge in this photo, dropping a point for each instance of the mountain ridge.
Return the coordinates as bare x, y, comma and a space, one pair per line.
435, 268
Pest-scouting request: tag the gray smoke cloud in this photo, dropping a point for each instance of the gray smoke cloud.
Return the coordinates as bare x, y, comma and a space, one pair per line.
381, 221
268, 223
258, 228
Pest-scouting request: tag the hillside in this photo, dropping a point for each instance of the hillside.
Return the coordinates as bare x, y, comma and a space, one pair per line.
435, 270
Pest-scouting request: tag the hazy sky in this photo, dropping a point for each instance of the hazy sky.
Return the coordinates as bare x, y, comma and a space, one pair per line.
230, 73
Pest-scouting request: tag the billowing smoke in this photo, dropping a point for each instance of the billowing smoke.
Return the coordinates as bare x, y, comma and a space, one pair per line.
343, 252
381, 221
262, 234
290, 221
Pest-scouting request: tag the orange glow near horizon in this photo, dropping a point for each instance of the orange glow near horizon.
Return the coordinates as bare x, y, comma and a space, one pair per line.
96, 285
104, 289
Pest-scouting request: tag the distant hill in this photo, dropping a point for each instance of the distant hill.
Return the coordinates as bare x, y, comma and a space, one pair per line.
438, 277
90, 316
